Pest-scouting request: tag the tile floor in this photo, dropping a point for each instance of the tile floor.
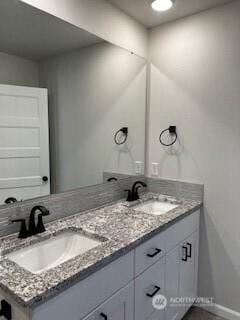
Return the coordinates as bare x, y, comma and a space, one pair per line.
200, 314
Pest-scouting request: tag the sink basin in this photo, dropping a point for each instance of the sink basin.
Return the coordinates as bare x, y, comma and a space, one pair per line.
52, 252
155, 207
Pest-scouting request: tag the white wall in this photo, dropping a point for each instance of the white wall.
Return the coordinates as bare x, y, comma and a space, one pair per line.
18, 71
101, 18
195, 84
92, 93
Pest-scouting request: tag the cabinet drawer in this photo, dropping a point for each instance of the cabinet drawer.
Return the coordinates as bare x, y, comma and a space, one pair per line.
181, 230
147, 285
149, 252
79, 300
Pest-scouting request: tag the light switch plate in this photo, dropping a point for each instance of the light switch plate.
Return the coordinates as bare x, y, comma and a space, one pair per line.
155, 169
138, 167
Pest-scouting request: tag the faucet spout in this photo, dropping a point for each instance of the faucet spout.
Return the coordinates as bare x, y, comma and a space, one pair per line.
136, 184
33, 229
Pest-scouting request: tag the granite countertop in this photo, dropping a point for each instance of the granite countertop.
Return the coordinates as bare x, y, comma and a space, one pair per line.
118, 226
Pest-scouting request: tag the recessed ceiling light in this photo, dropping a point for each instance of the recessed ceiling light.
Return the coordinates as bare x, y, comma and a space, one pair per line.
162, 5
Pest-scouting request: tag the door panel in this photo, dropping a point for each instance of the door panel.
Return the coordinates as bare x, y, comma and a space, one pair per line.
21, 167
18, 138
18, 105
24, 143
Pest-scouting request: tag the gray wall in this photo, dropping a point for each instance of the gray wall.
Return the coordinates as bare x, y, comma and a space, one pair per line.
18, 71
195, 84
94, 92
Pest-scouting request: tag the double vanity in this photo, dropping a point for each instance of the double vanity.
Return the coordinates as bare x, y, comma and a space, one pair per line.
107, 263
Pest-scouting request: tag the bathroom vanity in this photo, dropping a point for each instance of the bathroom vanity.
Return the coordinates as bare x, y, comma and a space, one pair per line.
130, 254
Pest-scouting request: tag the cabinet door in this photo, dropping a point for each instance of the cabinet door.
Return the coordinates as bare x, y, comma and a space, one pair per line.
172, 283
147, 286
118, 307
188, 271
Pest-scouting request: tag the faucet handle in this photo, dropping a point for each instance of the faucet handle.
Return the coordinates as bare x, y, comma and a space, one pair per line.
23, 234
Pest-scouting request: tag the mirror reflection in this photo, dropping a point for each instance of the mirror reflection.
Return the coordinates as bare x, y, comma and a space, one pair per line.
72, 106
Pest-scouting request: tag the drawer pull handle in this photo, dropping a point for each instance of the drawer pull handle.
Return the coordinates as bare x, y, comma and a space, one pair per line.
152, 255
104, 316
190, 250
185, 257
151, 295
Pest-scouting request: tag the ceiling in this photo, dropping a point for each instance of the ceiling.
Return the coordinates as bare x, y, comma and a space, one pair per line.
30, 33
141, 10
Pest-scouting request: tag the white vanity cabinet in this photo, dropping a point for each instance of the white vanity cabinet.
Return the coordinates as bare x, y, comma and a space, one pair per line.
166, 264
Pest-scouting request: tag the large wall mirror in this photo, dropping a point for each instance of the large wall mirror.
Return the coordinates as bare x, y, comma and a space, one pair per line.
72, 106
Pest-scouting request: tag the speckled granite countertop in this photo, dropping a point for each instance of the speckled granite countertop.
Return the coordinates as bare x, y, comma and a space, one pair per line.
121, 229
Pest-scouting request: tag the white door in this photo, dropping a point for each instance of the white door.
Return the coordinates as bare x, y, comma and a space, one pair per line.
118, 307
24, 143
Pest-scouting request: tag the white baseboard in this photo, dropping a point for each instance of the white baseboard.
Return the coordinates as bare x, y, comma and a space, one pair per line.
223, 312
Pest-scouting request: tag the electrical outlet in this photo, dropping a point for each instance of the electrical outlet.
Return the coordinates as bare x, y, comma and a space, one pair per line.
138, 167
155, 169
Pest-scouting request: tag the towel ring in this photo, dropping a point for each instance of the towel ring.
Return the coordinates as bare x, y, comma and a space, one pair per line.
124, 132
173, 132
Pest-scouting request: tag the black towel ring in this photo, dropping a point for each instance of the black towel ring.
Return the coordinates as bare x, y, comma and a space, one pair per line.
111, 179
173, 132
124, 132
10, 200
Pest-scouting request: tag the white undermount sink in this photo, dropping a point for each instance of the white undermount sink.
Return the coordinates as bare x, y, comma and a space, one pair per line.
155, 207
52, 252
